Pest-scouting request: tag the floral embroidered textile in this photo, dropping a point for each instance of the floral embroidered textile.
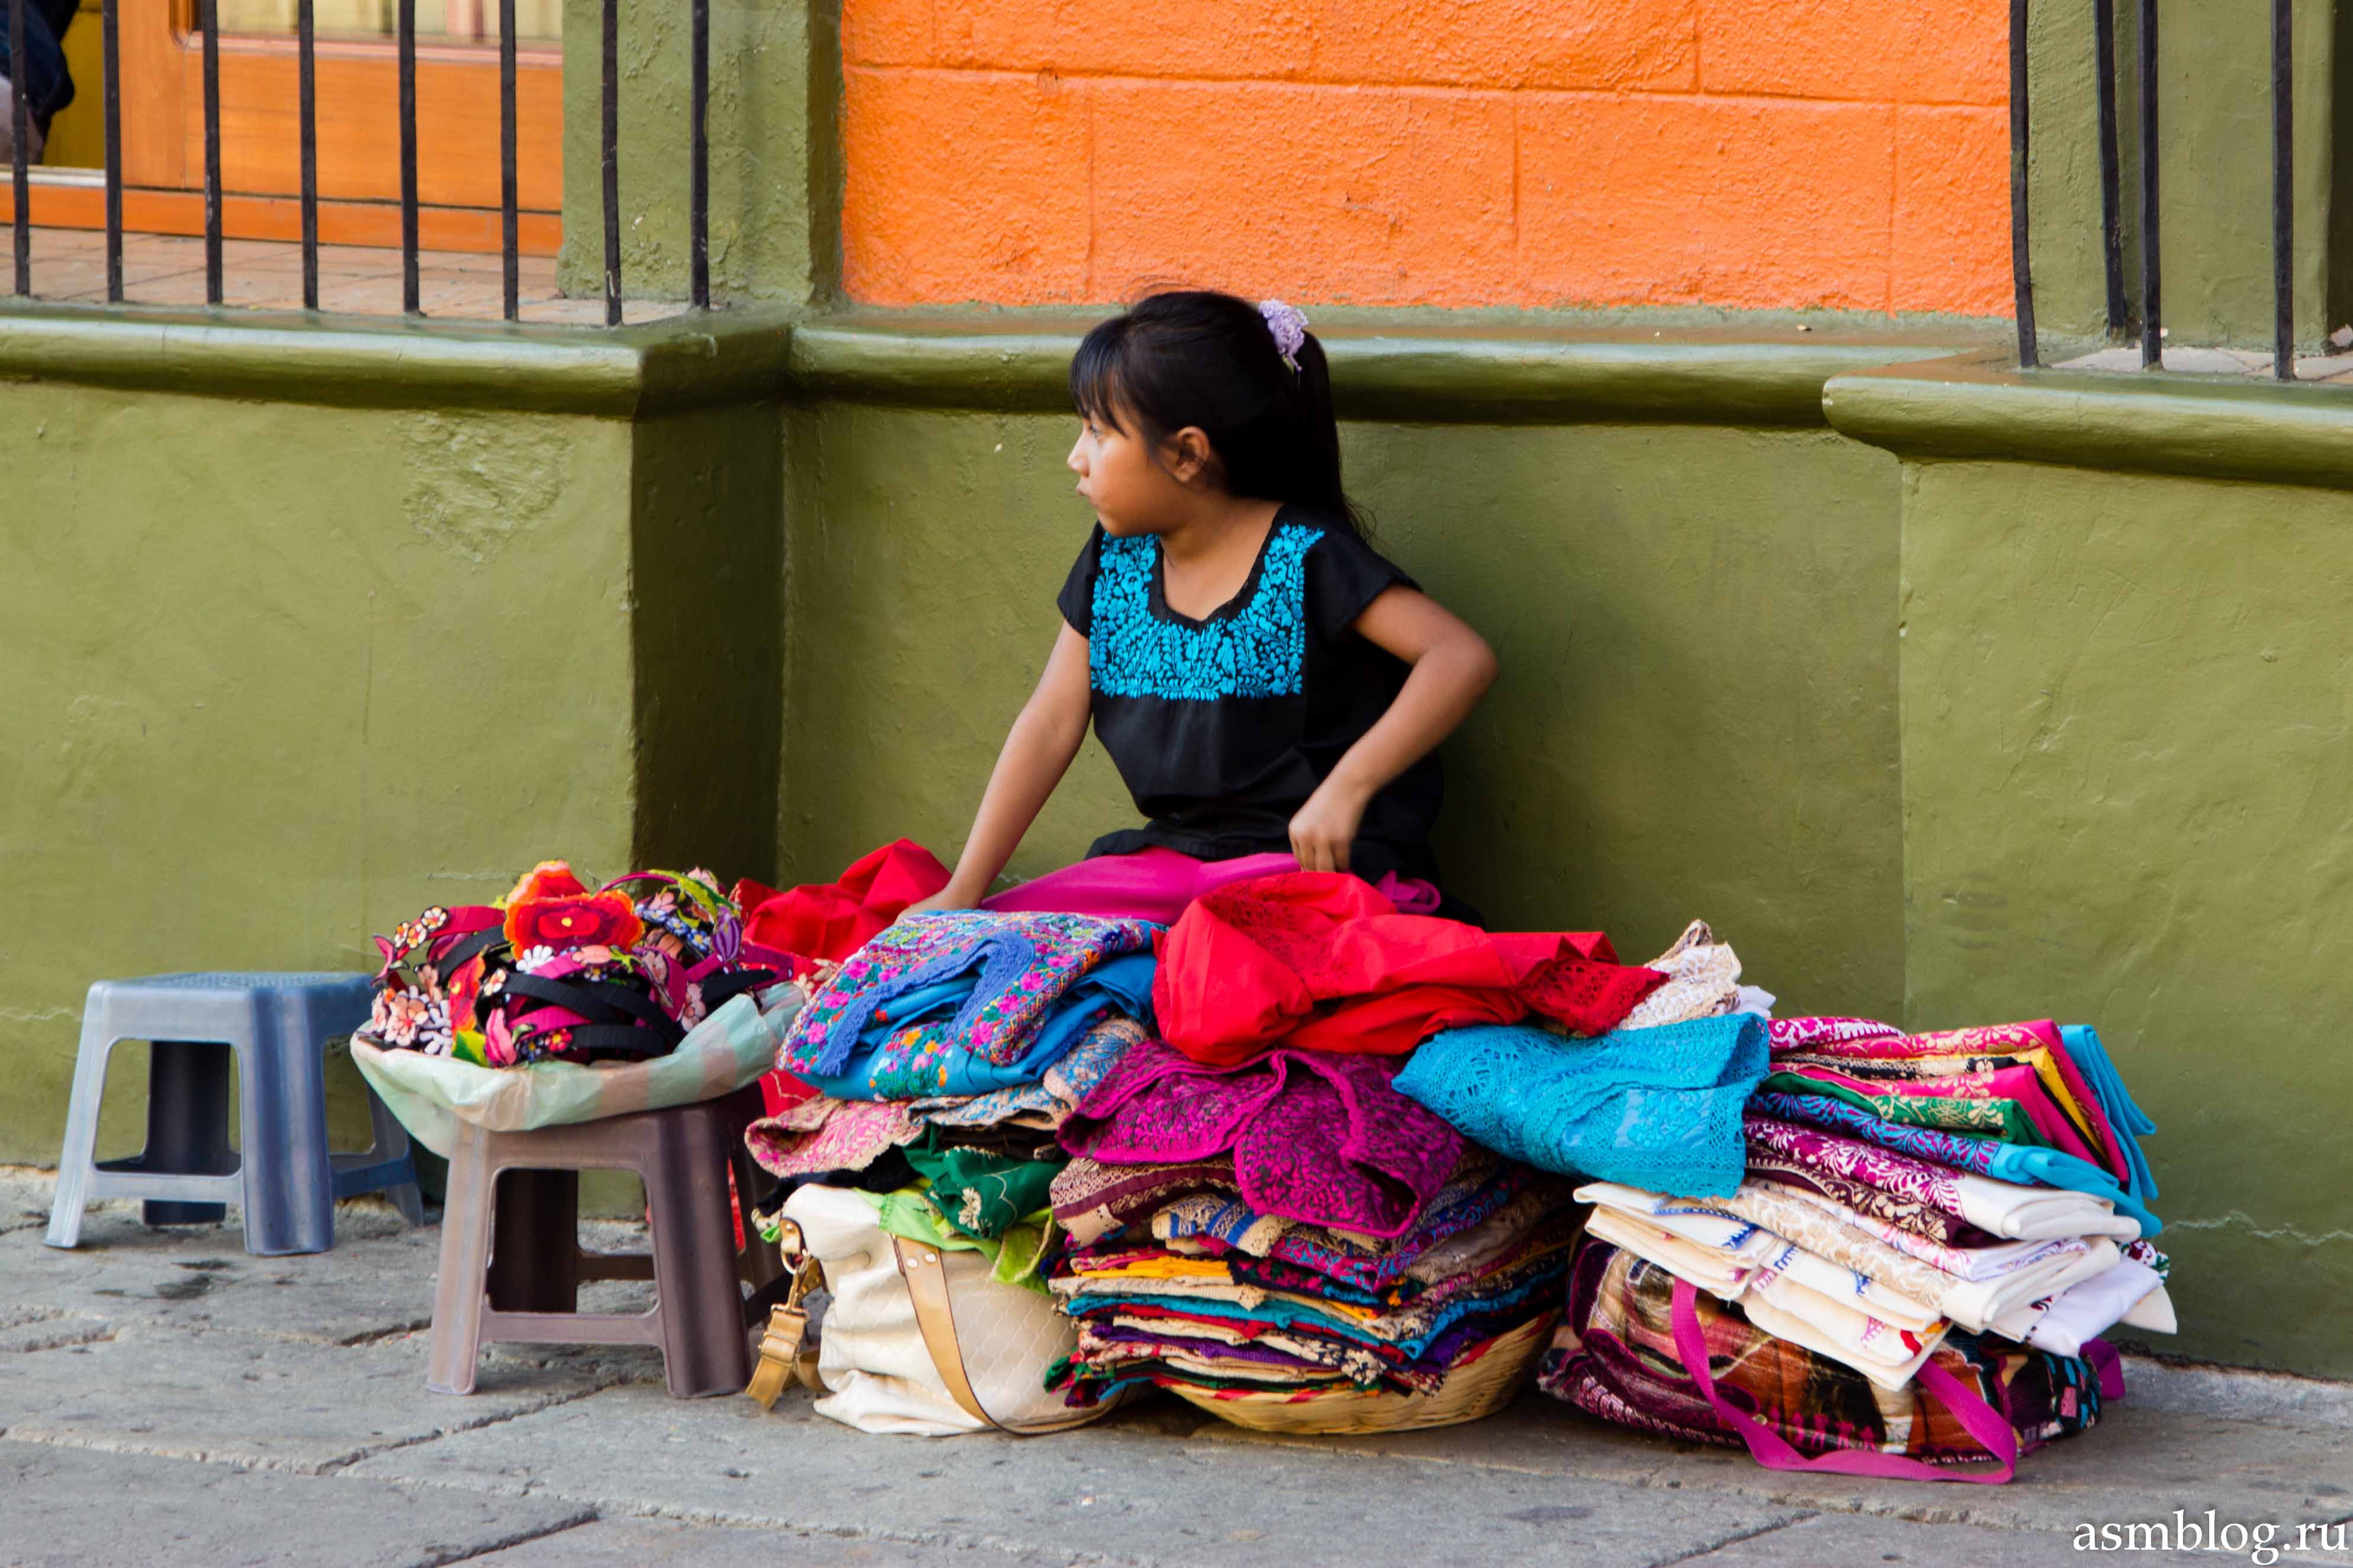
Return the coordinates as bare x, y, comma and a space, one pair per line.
1257, 651
967, 1002
557, 971
1316, 1138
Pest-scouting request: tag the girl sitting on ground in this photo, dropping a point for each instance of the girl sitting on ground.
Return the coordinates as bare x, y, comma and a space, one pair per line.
1267, 683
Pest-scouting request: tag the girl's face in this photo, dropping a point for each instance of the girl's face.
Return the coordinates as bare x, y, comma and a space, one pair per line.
1133, 490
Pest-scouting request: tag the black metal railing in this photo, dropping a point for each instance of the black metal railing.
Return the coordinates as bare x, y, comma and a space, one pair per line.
2152, 309
208, 26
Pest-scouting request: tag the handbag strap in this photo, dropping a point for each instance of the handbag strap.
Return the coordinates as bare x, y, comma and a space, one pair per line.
924, 1269
785, 1353
1770, 1449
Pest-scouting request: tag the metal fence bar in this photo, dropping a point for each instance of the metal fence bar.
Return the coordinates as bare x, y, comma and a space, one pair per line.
306, 26
111, 45
2283, 190
20, 173
699, 106
208, 19
2112, 237
410, 301
612, 139
2022, 269
510, 220
2152, 316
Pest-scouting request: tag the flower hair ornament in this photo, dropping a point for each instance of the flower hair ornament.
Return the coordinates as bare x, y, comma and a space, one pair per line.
1289, 326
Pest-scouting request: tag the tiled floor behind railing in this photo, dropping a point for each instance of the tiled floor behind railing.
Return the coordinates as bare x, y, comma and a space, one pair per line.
70, 266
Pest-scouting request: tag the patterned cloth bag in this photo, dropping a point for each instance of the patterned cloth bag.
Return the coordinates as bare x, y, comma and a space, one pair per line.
1643, 1349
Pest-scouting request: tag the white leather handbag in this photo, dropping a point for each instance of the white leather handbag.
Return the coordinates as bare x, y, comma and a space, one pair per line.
918, 1339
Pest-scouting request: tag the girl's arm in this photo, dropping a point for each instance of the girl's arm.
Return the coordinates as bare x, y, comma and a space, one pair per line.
1452, 668
1038, 751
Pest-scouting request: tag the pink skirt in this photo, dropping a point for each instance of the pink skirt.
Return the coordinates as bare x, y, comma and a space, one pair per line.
1157, 885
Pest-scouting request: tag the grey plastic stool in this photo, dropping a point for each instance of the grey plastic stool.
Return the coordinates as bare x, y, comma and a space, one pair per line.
511, 1263
278, 1026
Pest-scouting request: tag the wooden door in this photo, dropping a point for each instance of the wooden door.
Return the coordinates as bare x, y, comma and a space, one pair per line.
457, 128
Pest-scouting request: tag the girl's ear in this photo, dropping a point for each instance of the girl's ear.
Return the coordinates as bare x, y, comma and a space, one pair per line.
1188, 456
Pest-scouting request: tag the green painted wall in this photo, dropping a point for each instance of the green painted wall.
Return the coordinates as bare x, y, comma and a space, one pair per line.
281, 675
1696, 716
2128, 764
775, 183
707, 632
2214, 160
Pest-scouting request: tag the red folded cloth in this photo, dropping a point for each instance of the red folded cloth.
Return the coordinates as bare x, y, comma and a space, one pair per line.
831, 920
792, 930
1319, 961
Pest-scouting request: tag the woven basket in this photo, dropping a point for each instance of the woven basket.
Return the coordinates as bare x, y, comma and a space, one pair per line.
1473, 1388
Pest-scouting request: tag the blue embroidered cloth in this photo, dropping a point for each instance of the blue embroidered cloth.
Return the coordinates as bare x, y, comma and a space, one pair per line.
1657, 1109
968, 1002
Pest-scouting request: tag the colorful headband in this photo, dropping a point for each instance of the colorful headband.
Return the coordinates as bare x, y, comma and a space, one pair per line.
1289, 326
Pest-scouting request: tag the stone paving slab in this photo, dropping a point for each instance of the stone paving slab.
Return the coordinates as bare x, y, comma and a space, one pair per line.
2136, 1465
629, 1543
376, 1281
65, 1508
200, 1276
1844, 1541
276, 1404
44, 1329
1119, 1489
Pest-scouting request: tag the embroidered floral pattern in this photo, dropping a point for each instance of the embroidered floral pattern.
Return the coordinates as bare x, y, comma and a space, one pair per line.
1257, 651
518, 981
1027, 963
1316, 1138
1973, 1154
1883, 1169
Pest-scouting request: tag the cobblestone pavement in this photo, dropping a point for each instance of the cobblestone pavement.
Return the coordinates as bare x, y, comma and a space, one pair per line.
165, 1399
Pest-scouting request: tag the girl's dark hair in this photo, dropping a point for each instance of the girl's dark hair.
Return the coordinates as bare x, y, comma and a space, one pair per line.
1201, 358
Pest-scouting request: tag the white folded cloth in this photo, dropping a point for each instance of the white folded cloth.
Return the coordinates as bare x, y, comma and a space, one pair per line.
2061, 1323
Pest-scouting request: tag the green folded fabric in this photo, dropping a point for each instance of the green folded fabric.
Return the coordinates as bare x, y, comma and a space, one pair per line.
981, 1194
2004, 1119
1015, 1258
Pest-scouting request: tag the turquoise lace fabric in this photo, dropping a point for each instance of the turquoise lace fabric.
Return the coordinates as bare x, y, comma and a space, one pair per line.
1657, 1109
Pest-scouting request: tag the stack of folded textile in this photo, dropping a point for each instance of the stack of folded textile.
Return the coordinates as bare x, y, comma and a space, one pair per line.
945, 1053
1179, 1282
1907, 1192
1263, 1224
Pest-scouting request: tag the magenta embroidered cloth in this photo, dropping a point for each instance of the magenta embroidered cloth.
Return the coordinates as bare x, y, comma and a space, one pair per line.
1317, 1137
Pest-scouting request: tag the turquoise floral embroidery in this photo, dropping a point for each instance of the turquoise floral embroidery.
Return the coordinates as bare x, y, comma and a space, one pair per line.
1255, 652
1036, 959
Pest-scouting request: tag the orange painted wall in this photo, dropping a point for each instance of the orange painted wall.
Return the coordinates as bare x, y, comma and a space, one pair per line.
1745, 153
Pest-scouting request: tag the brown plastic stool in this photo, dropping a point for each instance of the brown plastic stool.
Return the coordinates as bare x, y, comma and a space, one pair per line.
511, 1263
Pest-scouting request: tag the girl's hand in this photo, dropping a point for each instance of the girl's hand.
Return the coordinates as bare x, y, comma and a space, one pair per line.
948, 897
1327, 825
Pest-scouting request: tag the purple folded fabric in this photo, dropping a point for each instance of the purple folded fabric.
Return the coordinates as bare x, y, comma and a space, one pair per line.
1315, 1137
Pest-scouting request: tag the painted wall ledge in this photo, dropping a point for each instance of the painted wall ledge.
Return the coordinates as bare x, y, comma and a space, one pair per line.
359, 362
1451, 373
1761, 374
1979, 407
